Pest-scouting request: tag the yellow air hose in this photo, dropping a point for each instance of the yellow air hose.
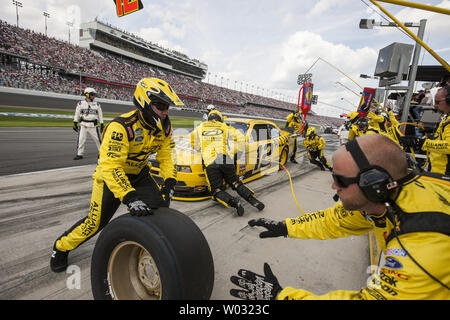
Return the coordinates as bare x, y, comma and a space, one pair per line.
292, 189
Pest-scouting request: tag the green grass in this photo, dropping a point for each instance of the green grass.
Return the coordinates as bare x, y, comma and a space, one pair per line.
20, 121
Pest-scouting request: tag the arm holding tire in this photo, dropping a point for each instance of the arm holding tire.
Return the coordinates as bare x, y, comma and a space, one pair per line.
167, 190
136, 206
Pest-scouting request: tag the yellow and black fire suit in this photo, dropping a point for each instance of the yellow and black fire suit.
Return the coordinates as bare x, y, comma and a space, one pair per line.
354, 131
315, 146
294, 120
378, 122
422, 215
295, 124
219, 143
123, 169
439, 148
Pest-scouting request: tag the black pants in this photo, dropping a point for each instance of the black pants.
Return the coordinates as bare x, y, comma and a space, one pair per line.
216, 174
104, 205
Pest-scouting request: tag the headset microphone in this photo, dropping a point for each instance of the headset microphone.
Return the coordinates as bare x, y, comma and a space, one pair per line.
336, 197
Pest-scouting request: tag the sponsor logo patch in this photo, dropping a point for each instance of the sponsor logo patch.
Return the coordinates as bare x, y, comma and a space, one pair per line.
392, 263
396, 252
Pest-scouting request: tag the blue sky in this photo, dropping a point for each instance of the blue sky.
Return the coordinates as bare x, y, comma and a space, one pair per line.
259, 43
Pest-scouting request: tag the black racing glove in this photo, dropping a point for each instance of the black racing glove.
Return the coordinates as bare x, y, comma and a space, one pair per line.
137, 207
420, 141
75, 126
256, 287
408, 141
274, 228
167, 190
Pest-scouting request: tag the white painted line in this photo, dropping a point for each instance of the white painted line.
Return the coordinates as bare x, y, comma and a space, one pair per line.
46, 171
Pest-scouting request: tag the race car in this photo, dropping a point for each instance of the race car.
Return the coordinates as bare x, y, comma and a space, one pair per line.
267, 148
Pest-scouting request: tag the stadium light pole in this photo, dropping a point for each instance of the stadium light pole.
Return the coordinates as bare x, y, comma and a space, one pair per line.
46, 15
69, 24
18, 5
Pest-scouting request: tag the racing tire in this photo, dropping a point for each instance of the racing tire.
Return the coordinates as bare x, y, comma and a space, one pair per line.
284, 155
164, 256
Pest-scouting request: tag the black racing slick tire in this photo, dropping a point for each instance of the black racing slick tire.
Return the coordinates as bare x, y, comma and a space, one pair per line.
164, 256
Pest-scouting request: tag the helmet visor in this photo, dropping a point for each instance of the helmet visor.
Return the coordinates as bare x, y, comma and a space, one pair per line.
160, 105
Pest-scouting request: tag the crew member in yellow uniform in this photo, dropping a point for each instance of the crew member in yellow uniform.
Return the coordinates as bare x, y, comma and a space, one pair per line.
408, 211
378, 121
212, 139
439, 145
294, 122
122, 174
315, 146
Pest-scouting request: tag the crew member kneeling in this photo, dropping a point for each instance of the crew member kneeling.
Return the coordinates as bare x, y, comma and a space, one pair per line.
315, 145
122, 175
212, 138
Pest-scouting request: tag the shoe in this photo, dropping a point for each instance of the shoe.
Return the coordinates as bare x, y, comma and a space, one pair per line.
294, 161
58, 261
330, 168
239, 207
256, 203
322, 168
78, 157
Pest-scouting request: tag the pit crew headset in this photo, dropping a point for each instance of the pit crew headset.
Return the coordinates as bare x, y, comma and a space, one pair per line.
377, 186
375, 182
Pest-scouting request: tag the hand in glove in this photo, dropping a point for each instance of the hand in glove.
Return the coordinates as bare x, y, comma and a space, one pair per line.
407, 141
137, 207
75, 126
256, 287
167, 190
420, 141
274, 228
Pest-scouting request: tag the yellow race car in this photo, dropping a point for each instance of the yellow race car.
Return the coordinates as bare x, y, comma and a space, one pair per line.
267, 148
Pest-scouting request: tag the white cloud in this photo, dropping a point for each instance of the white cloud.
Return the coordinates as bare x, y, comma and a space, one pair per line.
323, 6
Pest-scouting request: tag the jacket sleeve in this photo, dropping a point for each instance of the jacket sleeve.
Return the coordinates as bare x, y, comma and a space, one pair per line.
290, 293
322, 143
166, 158
331, 223
442, 143
111, 163
289, 118
352, 132
100, 114
376, 117
76, 117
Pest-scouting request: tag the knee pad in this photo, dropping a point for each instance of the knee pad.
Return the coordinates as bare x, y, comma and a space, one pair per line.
244, 191
224, 198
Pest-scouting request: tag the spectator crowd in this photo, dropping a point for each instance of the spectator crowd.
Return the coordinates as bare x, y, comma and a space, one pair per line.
49, 64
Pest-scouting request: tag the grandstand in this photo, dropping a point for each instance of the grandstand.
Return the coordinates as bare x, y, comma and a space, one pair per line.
113, 61
100, 36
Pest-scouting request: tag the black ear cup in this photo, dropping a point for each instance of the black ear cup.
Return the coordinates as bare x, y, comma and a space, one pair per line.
374, 184
373, 181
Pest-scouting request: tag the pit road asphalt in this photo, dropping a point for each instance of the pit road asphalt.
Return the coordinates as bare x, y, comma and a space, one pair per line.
36, 206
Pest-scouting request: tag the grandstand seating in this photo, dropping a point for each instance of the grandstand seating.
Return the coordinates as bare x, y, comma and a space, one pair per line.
48, 64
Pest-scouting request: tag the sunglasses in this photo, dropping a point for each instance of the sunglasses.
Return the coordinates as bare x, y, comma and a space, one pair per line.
161, 106
344, 182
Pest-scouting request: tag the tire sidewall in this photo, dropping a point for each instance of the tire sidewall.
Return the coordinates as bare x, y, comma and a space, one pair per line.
153, 234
